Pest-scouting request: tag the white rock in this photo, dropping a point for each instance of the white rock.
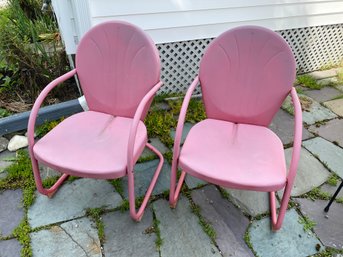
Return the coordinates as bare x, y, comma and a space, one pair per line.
83, 103
17, 142
3, 144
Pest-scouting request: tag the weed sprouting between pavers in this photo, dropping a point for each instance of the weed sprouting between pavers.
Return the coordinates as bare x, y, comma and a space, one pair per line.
316, 193
308, 81
95, 215
20, 176
247, 240
118, 186
333, 180
329, 252
156, 230
307, 223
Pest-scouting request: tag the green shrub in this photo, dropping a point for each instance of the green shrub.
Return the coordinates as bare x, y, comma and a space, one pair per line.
31, 50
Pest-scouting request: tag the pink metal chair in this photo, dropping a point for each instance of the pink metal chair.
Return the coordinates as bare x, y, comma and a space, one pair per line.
245, 74
119, 70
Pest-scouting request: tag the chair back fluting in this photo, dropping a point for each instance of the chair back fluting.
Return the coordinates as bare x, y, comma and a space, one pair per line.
117, 64
245, 75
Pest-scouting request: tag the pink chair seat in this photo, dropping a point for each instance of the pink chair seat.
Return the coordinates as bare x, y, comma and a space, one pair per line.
233, 155
90, 144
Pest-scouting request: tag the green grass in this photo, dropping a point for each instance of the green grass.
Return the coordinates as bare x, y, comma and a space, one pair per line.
307, 223
156, 230
46, 127
316, 193
22, 233
158, 124
308, 81
206, 226
333, 180
118, 186
95, 215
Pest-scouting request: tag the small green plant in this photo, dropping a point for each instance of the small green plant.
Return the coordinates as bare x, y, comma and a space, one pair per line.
206, 226
156, 229
158, 124
22, 233
316, 193
299, 90
46, 127
95, 214
118, 185
307, 223
333, 180
308, 81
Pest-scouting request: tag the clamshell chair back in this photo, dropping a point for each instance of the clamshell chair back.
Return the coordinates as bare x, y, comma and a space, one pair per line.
245, 74
117, 65
119, 69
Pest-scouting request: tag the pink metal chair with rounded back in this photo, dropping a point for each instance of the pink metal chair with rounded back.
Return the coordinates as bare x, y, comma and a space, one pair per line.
118, 67
245, 75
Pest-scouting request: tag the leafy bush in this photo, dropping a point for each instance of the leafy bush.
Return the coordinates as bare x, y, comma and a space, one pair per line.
31, 52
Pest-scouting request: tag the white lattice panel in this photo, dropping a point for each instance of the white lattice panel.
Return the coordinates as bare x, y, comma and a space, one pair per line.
313, 47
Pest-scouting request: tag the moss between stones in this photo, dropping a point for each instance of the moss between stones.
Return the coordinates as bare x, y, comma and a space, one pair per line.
308, 81
95, 215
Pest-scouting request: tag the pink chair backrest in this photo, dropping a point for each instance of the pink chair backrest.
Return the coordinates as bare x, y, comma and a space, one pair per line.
245, 74
117, 64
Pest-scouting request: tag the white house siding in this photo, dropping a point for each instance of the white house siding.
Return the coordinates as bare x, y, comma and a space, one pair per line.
181, 20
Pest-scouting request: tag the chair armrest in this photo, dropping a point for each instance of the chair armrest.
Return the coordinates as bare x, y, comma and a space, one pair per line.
38, 103
134, 125
298, 126
181, 120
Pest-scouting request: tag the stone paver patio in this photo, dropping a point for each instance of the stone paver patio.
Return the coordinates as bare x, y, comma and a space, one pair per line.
207, 221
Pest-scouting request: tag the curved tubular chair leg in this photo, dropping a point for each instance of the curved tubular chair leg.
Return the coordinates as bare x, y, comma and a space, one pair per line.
277, 222
173, 201
138, 215
174, 191
38, 180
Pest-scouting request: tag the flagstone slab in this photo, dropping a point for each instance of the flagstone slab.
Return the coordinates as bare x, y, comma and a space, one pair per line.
283, 126
336, 106
328, 225
311, 173
328, 81
186, 128
316, 112
332, 189
3, 144
331, 131
327, 153
325, 94
323, 73
11, 211
181, 232
6, 159
74, 238
158, 145
125, 237
10, 248
193, 182
229, 222
290, 241
312, 111
252, 202
71, 201
143, 176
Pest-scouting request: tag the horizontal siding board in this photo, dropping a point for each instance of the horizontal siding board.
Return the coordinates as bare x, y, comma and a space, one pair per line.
230, 15
211, 31
123, 7
179, 20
